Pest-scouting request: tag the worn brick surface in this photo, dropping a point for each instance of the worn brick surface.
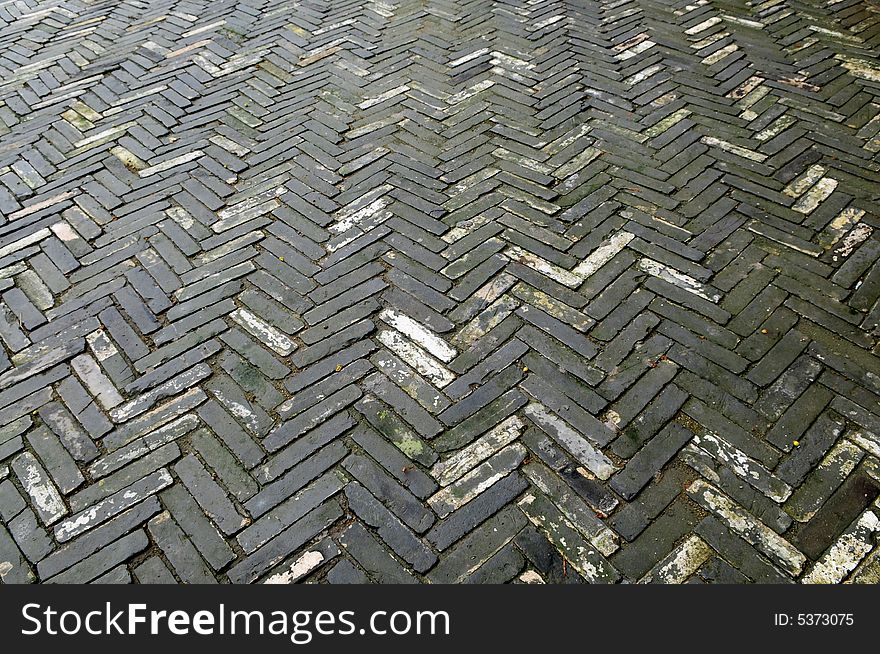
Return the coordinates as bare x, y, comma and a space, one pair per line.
439, 291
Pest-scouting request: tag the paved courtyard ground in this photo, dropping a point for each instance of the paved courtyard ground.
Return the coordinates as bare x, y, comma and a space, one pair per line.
439, 291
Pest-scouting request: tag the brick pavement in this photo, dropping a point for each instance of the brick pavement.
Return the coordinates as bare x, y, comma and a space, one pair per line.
439, 291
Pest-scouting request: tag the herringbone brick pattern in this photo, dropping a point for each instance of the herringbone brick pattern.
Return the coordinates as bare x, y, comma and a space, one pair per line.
439, 291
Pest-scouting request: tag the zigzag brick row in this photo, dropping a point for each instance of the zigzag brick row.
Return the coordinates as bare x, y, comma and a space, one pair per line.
439, 291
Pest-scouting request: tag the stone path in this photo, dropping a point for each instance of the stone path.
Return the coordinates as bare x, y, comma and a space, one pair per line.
439, 291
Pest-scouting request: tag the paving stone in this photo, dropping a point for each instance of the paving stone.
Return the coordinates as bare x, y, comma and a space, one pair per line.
648, 423
94, 540
399, 500
392, 427
377, 562
209, 495
586, 560
452, 468
546, 559
282, 516
16, 570
252, 567
680, 564
62, 467
390, 529
112, 505
153, 571
125, 477
537, 324
719, 571
847, 502
501, 568
178, 550
660, 537
649, 460
30, 537
394, 461
345, 572
202, 533
761, 537
823, 481
43, 493
96, 564
817, 440
846, 553
11, 502
474, 482
302, 565
577, 445
311, 418
227, 469
478, 546
747, 469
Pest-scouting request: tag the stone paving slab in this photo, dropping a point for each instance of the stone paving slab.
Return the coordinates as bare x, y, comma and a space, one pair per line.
440, 291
